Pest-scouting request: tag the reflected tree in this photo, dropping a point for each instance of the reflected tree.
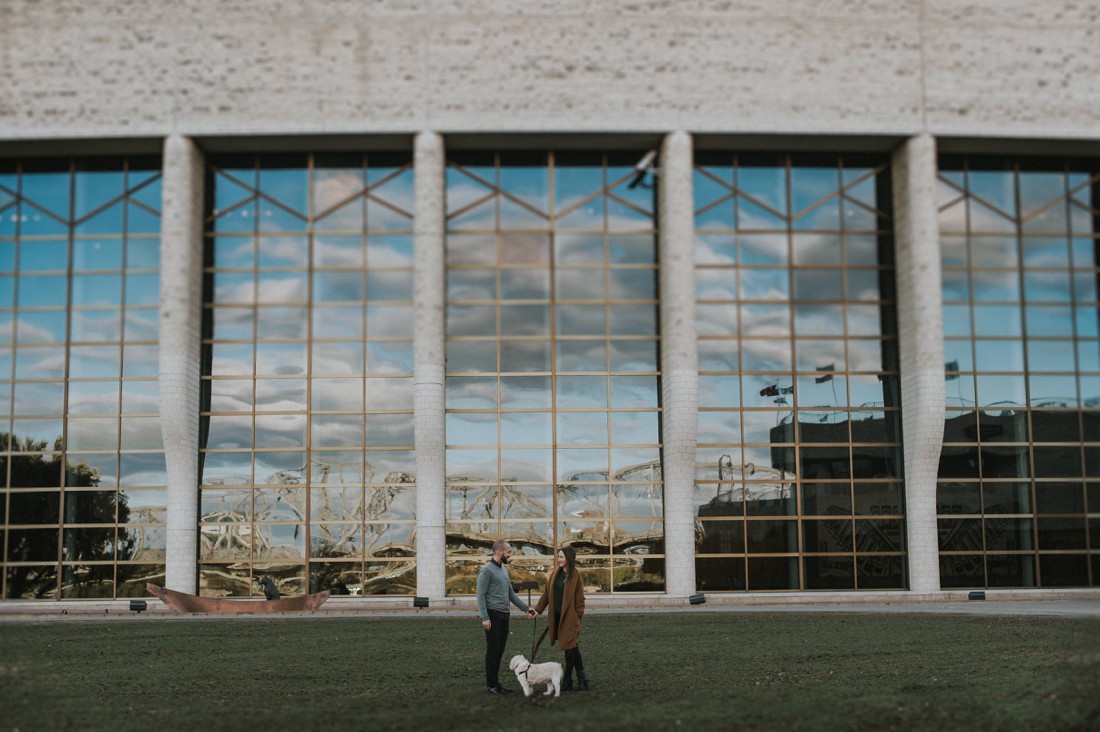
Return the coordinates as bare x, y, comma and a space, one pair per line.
84, 545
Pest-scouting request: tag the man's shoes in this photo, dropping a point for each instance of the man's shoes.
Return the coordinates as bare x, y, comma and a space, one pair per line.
499, 690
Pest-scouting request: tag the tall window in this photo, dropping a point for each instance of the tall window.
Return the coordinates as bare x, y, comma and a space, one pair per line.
81, 459
1020, 469
553, 419
308, 470
798, 482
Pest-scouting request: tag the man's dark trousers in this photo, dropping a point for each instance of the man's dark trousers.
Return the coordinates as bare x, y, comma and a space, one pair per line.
495, 638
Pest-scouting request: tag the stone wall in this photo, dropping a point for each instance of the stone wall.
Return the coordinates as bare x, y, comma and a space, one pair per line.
134, 68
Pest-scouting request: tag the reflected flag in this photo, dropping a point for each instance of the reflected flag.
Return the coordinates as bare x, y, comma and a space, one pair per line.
827, 377
771, 390
951, 366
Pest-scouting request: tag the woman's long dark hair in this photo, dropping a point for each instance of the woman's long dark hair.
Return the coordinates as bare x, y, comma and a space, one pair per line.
570, 560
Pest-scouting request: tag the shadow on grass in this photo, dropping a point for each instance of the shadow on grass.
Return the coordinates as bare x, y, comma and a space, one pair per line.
745, 671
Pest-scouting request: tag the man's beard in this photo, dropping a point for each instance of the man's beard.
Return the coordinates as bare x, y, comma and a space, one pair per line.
504, 559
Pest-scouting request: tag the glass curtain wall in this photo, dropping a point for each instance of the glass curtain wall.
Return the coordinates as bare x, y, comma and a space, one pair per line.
1019, 488
308, 472
81, 459
553, 413
798, 480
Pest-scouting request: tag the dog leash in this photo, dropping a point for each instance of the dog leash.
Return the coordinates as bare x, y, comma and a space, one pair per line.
535, 647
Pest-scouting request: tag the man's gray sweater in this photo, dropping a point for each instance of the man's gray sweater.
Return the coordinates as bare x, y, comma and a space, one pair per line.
494, 590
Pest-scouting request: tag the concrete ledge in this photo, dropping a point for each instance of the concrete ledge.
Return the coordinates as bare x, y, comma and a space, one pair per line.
466, 605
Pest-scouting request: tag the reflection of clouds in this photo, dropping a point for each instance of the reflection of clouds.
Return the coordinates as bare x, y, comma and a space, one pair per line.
716, 319
389, 394
996, 285
819, 319
280, 322
813, 354
865, 355
471, 465
864, 320
471, 393
1051, 286
766, 355
86, 325
141, 433
519, 284
521, 248
92, 434
140, 360
389, 321
332, 186
39, 363
715, 284
338, 251
817, 284
95, 361
336, 430
765, 320
280, 430
141, 325
719, 427
471, 320
92, 397
463, 191
142, 469
471, 285
477, 428
276, 395
229, 432
231, 396
526, 465
765, 284
816, 248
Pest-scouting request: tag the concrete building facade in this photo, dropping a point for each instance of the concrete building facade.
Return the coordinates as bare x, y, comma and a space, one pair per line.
733, 297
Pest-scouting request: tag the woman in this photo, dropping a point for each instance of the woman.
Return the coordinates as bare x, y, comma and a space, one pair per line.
564, 595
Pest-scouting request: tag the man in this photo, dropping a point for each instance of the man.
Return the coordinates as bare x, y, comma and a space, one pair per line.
494, 592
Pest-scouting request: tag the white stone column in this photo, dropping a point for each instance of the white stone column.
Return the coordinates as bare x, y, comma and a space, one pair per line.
920, 345
429, 350
679, 358
180, 349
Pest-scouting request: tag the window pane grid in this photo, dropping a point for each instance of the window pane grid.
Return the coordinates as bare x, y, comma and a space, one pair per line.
81, 243
1020, 304
552, 415
308, 466
798, 484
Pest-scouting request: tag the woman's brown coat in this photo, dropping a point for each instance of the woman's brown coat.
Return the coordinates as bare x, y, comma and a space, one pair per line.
568, 632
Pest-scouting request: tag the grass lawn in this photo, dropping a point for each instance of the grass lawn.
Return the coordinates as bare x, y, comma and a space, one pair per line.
729, 671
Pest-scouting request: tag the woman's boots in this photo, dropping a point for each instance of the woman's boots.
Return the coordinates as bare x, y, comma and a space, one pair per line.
567, 680
573, 661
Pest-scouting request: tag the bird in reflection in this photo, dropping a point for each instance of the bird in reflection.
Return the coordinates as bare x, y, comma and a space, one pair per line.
271, 592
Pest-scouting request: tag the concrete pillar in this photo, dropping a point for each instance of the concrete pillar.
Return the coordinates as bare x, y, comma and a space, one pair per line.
679, 358
429, 351
180, 349
920, 345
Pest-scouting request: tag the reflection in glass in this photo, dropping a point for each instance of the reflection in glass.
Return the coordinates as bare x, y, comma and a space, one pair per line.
1026, 443
785, 428
571, 368
352, 295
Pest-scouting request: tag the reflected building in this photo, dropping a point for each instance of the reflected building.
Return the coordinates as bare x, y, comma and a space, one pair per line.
353, 317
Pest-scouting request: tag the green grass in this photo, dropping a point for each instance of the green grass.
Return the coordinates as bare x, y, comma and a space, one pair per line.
729, 671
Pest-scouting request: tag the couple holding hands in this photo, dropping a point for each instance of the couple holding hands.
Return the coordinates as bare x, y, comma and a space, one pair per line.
563, 595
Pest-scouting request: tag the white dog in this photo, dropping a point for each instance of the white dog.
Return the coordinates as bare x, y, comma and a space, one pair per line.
528, 674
